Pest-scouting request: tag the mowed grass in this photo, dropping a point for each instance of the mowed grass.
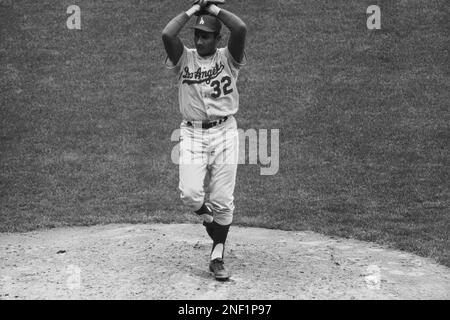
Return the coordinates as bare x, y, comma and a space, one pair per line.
87, 116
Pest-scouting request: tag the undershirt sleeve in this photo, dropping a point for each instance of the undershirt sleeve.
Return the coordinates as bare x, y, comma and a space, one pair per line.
176, 67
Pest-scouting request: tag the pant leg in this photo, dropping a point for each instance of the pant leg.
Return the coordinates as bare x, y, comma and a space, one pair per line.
223, 165
192, 167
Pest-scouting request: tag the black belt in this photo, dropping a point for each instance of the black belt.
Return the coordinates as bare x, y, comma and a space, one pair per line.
208, 124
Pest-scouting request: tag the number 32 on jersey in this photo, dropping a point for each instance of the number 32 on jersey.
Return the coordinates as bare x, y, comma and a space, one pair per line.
221, 87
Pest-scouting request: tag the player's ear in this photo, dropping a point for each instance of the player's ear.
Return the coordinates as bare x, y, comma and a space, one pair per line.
218, 37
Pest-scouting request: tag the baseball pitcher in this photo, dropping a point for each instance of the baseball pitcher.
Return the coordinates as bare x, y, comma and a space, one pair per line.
208, 99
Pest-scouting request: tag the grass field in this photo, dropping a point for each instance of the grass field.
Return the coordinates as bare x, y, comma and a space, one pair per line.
87, 115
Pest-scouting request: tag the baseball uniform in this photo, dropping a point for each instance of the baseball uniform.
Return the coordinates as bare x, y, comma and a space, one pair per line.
208, 96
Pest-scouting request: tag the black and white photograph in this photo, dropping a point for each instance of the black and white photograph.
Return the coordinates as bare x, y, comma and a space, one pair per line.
224, 154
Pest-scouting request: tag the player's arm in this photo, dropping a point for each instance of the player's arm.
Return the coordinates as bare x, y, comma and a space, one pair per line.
238, 31
172, 43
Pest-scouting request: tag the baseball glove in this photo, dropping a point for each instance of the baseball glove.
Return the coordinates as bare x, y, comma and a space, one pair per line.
205, 4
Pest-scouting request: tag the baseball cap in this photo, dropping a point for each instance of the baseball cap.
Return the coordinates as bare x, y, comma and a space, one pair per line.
208, 23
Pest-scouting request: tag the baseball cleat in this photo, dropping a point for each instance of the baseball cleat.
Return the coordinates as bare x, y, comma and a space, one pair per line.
217, 267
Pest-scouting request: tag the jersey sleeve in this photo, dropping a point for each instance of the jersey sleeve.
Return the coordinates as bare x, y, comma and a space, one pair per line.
234, 65
182, 61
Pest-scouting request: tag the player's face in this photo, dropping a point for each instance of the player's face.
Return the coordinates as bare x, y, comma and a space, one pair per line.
205, 42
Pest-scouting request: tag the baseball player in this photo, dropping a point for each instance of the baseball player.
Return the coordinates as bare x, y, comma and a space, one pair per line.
208, 99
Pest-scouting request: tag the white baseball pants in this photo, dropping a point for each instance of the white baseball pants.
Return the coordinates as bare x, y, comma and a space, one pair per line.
208, 166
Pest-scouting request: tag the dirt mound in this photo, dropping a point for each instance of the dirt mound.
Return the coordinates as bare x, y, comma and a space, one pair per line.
171, 262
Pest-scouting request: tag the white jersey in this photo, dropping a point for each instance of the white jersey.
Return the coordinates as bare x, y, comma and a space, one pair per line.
207, 86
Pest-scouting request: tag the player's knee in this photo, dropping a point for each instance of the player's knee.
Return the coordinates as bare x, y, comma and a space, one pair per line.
192, 197
222, 202
223, 208
223, 219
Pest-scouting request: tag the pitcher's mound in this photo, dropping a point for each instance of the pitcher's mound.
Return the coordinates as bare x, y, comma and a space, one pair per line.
171, 262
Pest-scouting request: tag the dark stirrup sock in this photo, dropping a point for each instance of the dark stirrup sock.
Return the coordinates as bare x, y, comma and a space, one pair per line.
220, 235
203, 210
209, 229
206, 213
